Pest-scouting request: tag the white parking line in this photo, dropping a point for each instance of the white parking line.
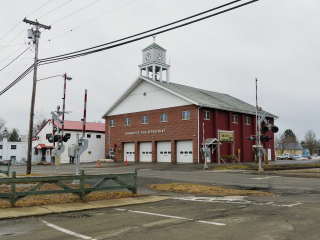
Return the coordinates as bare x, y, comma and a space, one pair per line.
66, 230
235, 200
264, 178
169, 216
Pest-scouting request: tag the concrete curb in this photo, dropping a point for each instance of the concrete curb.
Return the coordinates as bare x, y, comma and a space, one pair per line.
71, 207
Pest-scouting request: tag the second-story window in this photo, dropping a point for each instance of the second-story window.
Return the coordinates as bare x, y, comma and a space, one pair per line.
144, 119
13, 146
206, 115
164, 117
247, 121
235, 118
185, 115
111, 123
127, 121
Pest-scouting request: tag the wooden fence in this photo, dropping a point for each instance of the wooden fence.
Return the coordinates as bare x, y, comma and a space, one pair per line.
60, 180
7, 172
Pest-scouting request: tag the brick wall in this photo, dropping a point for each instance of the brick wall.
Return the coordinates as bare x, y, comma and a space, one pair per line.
173, 130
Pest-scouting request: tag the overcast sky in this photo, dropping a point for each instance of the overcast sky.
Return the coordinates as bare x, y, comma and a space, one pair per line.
276, 41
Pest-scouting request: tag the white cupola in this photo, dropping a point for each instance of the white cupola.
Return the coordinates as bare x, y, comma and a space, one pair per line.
154, 63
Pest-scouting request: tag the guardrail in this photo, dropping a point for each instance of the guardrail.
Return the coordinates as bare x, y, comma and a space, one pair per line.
8, 169
81, 192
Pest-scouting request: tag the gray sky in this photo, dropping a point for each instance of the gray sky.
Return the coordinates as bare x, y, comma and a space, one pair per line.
276, 41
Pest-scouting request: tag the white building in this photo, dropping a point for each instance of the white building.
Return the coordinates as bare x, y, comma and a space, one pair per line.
95, 133
15, 151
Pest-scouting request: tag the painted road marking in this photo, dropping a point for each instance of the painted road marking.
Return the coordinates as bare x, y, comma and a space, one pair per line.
66, 230
264, 178
235, 200
169, 216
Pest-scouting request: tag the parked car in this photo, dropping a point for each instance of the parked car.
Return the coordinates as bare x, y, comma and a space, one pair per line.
5, 162
296, 156
285, 156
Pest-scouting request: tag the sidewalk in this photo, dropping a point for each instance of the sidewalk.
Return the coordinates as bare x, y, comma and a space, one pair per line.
17, 212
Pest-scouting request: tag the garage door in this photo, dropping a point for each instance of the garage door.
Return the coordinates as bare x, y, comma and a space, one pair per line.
128, 152
184, 152
164, 151
146, 152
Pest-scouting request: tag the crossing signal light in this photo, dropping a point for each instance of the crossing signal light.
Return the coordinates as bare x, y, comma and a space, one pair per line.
56, 138
265, 129
66, 137
50, 138
265, 138
275, 129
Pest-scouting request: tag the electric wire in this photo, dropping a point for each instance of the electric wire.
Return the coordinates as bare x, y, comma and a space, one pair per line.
82, 53
163, 26
14, 59
38, 8
20, 21
89, 21
75, 12
54, 9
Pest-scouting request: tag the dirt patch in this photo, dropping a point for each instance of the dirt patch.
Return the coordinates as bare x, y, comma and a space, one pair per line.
59, 198
207, 190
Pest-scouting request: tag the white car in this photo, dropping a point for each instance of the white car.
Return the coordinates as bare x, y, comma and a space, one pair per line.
285, 156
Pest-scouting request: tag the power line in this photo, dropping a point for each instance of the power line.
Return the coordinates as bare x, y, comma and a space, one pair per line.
54, 9
20, 21
151, 30
91, 21
85, 52
38, 8
75, 12
100, 48
14, 59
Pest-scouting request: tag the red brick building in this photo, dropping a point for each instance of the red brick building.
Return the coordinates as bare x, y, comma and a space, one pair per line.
156, 120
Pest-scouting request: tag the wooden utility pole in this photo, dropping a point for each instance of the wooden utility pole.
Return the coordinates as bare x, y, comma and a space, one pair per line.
35, 35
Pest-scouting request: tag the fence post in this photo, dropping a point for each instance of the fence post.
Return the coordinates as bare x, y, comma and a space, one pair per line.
9, 163
82, 184
13, 190
135, 188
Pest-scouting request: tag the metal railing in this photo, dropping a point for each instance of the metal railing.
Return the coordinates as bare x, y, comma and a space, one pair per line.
81, 191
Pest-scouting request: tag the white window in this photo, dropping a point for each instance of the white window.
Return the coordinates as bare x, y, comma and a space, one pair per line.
164, 117
235, 118
185, 115
206, 115
88, 135
98, 136
111, 123
13, 146
127, 121
247, 120
144, 119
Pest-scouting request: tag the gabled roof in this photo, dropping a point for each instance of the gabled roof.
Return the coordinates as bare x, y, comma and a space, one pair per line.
78, 125
154, 45
90, 126
199, 97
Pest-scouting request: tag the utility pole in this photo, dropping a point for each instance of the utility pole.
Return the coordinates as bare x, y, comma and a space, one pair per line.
35, 35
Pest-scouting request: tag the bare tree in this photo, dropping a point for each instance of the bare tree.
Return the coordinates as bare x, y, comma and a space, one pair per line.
285, 141
311, 141
2, 125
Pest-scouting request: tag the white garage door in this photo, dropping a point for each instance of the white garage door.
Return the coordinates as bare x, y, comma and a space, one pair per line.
164, 151
145, 152
184, 152
129, 152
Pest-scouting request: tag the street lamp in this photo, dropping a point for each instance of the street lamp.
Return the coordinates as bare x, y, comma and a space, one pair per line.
32, 116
